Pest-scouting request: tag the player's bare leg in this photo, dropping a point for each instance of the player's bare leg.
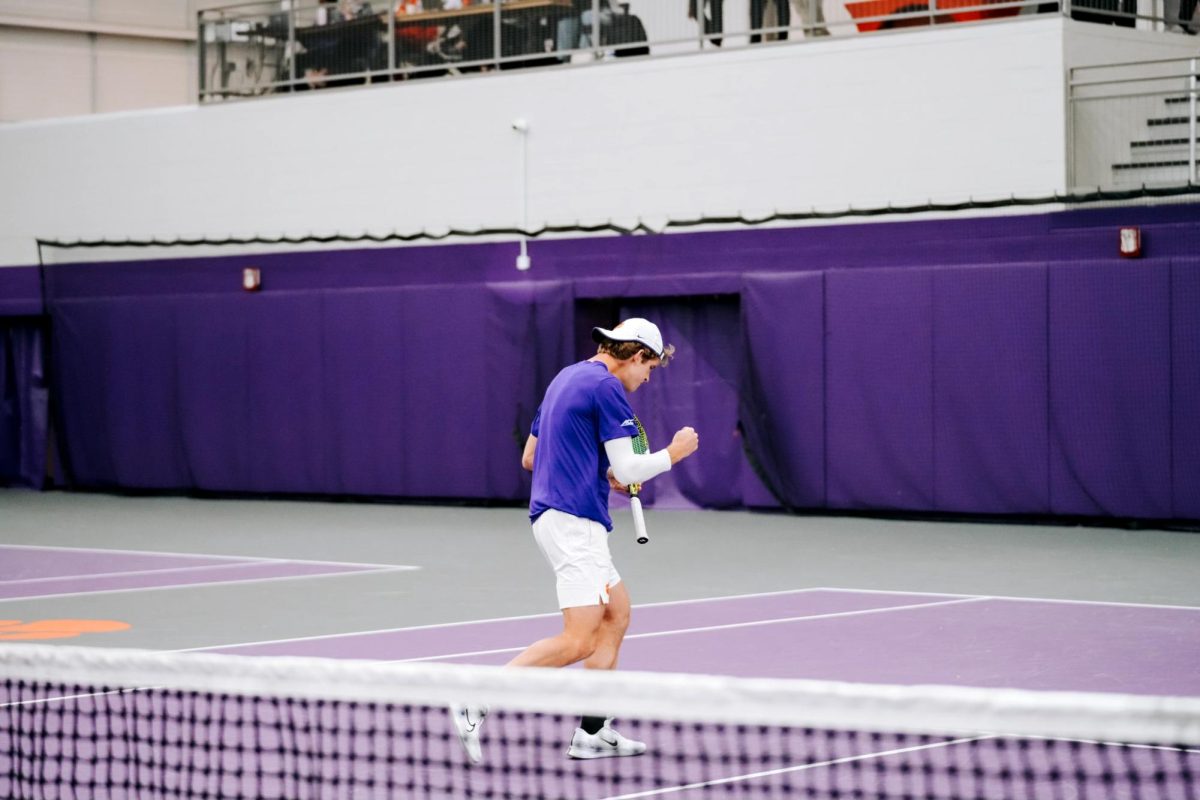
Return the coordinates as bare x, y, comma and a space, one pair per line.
595, 736
612, 630
581, 627
577, 641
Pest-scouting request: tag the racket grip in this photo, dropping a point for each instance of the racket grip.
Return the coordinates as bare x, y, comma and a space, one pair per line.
639, 520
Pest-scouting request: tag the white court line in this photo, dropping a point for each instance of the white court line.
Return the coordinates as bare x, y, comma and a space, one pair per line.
196, 568
799, 768
195, 555
493, 620
727, 626
720, 598
206, 584
864, 756
1017, 599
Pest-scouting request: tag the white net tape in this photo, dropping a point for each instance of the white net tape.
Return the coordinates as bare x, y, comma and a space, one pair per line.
668, 697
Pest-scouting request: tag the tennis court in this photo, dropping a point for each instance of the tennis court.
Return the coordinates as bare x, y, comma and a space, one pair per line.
840, 634
813, 601
311, 309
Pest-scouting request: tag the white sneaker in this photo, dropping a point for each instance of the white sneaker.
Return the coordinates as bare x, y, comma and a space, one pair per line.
605, 743
467, 721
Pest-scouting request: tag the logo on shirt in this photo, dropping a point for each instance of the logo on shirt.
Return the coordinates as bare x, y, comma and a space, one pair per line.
630, 423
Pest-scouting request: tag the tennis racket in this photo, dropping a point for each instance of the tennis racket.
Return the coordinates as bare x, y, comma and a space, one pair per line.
641, 446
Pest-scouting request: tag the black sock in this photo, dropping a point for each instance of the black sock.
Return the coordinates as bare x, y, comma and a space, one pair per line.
591, 724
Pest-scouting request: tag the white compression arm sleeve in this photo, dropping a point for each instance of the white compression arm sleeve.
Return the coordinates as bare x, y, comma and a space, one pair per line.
630, 467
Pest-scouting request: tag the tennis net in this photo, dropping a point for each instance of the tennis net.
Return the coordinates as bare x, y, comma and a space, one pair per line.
116, 724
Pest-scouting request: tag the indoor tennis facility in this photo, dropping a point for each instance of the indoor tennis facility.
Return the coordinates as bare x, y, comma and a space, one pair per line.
582, 400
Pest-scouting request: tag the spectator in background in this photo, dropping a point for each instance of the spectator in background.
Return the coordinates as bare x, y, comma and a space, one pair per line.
575, 30
349, 49
1187, 10
350, 9
812, 17
711, 11
783, 18
416, 45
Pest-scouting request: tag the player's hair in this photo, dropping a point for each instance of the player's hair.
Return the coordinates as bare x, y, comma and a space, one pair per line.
623, 350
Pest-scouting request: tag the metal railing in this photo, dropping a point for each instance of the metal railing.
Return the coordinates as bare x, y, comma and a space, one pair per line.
274, 46
1134, 124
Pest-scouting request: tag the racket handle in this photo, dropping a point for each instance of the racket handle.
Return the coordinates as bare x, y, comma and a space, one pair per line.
639, 520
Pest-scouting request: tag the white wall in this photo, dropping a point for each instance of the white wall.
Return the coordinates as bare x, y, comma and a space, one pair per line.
46, 74
71, 57
142, 13
970, 111
1090, 45
40, 74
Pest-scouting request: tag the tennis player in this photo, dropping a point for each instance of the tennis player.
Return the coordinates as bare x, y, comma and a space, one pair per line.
581, 435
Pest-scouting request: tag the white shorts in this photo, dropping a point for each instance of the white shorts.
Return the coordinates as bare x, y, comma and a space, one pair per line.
577, 549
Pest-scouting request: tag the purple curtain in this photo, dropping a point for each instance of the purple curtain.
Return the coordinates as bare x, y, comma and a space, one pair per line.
1111, 388
1185, 388
879, 389
698, 388
990, 377
1067, 387
409, 391
783, 384
24, 403
529, 329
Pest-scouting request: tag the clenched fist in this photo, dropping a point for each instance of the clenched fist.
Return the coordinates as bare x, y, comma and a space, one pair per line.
684, 443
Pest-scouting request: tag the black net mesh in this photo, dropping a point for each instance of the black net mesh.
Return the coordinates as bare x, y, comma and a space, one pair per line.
72, 740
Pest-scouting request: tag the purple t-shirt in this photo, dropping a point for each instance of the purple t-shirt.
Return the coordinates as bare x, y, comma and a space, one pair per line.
584, 406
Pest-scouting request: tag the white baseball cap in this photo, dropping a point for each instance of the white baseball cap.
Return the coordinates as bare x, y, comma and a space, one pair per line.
634, 329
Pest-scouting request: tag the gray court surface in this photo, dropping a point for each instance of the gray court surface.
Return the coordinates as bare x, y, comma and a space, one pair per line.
320, 568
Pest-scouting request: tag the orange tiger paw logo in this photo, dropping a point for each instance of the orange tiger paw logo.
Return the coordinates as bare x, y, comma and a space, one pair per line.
15, 629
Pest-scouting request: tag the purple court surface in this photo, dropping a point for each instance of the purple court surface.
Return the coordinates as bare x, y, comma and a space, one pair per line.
820, 633
836, 634
28, 572
850, 635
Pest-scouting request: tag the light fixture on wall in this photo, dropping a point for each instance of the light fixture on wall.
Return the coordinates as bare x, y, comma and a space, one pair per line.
521, 126
1131, 242
251, 279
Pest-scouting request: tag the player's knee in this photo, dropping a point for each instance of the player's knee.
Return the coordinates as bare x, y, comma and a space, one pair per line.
580, 647
618, 620
617, 612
